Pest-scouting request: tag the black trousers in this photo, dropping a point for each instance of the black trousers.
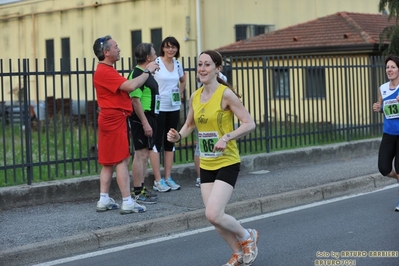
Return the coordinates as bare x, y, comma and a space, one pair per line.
389, 151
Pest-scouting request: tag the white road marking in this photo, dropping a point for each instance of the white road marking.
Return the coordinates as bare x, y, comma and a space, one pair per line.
260, 172
206, 229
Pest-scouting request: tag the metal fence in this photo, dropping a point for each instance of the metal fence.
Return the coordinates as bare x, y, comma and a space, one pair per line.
49, 118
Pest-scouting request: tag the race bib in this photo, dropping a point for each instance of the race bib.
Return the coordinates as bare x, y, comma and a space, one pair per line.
176, 96
157, 104
391, 109
207, 141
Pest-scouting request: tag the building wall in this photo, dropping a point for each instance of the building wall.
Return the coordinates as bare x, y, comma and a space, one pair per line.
27, 25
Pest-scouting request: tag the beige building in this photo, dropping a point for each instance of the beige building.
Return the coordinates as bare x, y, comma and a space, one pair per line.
60, 34
41, 28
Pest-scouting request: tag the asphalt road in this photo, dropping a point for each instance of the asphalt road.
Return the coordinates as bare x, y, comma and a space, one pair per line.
360, 230
59, 218
34, 224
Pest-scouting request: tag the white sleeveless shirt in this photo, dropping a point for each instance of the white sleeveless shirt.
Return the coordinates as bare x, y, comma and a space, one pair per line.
168, 83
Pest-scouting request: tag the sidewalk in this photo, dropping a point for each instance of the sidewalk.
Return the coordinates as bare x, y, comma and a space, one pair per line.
48, 221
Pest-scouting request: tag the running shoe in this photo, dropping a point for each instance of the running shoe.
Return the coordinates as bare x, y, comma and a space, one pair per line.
146, 192
172, 184
249, 247
397, 207
235, 260
161, 186
198, 182
110, 205
143, 197
133, 207
149, 193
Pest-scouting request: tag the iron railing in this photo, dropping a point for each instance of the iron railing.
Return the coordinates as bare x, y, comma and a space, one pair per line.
49, 118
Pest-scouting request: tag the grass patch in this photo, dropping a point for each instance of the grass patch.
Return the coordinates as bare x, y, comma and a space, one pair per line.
66, 150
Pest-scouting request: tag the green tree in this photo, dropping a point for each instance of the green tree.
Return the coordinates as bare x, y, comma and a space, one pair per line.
391, 33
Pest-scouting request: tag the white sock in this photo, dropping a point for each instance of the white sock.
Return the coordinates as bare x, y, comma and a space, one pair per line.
127, 200
104, 197
245, 237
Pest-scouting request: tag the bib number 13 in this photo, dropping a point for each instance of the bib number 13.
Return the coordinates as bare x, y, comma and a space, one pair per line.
391, 110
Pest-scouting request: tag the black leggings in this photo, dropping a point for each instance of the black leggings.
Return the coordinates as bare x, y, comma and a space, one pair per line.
166, 121
389, 149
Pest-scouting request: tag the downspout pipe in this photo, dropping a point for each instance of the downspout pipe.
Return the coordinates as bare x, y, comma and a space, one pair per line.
199, 26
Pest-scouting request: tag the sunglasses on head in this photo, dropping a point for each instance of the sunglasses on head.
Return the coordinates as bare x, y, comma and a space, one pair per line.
102, 40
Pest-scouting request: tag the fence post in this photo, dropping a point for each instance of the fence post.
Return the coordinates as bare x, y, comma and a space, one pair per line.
347, 100
265, 100
27, 123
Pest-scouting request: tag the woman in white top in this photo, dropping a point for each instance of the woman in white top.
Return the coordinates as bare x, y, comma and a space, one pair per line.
171, 82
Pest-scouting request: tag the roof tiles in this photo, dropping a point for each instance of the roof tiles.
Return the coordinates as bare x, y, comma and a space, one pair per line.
339, 29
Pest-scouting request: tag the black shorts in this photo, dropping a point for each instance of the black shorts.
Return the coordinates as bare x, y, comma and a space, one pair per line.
228, 174
141, 141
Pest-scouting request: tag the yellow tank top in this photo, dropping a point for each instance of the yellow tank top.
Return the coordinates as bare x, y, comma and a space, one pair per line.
212, 123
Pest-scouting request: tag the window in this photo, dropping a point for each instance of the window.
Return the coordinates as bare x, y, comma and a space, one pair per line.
66, 55
135, 36
281, 82
315, 82
241, 32
245, 31
156, 39
49, 55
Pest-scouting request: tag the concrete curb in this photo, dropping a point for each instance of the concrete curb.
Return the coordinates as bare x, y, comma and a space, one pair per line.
90, 242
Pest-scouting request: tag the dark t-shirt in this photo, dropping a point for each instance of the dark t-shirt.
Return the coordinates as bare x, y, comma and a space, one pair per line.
148, 93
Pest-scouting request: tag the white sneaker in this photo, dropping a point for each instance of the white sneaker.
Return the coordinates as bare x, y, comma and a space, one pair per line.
110, 205
249, 247
198, 182
134, 207
236, 260
161, 186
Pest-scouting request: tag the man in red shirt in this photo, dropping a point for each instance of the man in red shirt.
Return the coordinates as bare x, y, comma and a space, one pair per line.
115, 107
